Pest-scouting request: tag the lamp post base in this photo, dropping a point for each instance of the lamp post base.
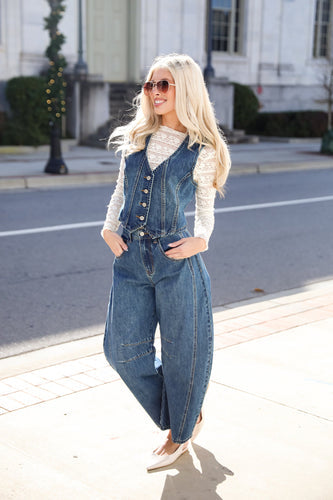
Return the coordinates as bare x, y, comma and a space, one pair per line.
55, 164
209, 73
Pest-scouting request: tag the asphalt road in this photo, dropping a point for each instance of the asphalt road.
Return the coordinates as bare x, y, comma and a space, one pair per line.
54, 286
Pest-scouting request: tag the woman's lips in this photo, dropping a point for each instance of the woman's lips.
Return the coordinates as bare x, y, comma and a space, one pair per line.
158, 102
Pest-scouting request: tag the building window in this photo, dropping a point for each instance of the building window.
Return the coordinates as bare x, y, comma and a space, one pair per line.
0, 23
322, 29
227, 21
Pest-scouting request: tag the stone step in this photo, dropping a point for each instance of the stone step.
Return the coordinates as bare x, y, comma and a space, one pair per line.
237, 136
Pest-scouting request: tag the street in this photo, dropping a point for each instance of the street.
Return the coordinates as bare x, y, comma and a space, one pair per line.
54, 285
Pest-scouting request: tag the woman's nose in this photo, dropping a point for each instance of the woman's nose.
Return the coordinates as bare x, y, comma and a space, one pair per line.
155, 89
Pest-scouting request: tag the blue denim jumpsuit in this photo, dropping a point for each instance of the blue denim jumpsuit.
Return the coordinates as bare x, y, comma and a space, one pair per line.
150, 288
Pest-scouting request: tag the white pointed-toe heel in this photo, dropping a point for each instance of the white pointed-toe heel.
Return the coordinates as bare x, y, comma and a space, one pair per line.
158, 461
198, 427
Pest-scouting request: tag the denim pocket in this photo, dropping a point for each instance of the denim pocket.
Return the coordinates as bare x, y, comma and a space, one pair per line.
120, 256
163, 245
124, 251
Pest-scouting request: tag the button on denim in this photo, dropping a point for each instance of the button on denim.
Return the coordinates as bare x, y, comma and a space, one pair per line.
150, 288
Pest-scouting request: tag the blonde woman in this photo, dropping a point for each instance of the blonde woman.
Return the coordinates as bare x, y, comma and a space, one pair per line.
171, 152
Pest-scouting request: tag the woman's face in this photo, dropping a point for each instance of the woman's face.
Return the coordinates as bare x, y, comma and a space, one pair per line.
164, 104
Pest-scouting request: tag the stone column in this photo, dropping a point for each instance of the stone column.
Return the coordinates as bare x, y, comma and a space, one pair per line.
221, 93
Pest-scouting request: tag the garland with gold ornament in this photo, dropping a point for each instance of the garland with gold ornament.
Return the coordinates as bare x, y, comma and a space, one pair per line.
56, 84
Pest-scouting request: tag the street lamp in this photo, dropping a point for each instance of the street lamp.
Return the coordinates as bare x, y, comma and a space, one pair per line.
209, 70
79, 77
81, 67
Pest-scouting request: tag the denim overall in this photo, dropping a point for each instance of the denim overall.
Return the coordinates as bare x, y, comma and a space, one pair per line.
150, 288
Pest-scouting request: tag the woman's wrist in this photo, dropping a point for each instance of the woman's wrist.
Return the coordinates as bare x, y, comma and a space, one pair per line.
203, 243
106, 231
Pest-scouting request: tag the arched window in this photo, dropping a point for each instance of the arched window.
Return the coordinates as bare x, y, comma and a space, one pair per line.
227, 23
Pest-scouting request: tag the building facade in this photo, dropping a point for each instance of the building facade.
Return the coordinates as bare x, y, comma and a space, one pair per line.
281, 48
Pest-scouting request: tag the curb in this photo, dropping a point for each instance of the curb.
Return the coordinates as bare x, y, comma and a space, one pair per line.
289, 140
91, 178
46, 181
265, 168
66, 145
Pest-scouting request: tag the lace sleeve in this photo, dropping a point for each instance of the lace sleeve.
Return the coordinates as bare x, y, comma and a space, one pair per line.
204, 175
111, 221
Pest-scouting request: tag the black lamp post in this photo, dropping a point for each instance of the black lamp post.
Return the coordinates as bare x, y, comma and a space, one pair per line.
209, 70
80, 75
81, 67
55, 91
56, 163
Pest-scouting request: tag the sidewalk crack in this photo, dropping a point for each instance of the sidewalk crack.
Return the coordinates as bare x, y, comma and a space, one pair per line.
272, 401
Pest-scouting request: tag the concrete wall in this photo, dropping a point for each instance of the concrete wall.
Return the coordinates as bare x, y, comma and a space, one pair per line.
24, 39
221, 93
276, 55
179, 27
291, 98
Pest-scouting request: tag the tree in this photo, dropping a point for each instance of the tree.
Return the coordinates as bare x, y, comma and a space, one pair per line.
327, 84
56, 86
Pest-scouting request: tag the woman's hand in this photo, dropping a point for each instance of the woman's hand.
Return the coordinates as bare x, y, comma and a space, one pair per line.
186, 247
115, 242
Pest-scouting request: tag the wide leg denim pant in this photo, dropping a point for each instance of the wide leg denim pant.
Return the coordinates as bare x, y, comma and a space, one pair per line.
150, 288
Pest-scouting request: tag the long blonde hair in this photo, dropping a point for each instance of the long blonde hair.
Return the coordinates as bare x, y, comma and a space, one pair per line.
193, 108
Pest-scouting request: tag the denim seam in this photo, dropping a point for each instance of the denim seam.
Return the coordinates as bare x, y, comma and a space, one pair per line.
163, 197
163, 349
170, 356
148, 274
125, 180
197, 152
167, 340
150, 255
176, 211
130, 205
205, 289
194, 357
137, 343
137, 357
210, 338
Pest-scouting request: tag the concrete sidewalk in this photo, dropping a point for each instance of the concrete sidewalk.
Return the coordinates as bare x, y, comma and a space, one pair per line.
95, 166
71, 430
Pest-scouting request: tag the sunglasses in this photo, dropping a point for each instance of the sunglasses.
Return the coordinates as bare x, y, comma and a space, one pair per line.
161, 85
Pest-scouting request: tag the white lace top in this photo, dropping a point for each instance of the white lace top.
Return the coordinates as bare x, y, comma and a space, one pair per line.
162, 145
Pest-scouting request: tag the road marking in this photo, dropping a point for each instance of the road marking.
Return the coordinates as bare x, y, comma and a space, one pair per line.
240, 208
49, 229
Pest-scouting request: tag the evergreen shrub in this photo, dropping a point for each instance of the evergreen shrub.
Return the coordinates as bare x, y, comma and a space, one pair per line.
29, 122
289, 124
2, 123
246, 106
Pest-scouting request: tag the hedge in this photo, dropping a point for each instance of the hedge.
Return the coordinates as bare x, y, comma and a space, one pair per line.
289, 124
246, 106
28, 123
